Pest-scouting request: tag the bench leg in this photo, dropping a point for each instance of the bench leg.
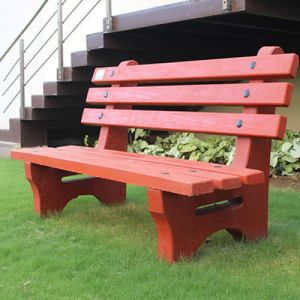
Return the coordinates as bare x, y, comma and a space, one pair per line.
253, 218
52, 195
175, 222
182, 227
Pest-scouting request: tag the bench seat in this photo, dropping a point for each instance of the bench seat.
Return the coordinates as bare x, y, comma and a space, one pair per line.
171, 175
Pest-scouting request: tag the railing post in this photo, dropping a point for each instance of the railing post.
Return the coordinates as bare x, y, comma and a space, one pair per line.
60, 73
108, 20
22, 80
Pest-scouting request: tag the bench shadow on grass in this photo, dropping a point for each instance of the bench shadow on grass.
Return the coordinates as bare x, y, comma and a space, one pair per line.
132, 220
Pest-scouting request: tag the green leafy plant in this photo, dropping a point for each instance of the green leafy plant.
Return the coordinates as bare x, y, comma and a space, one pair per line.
285, 155
187, 146
90, 142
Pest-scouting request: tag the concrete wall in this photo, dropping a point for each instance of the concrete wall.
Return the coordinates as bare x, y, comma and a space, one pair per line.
293, 112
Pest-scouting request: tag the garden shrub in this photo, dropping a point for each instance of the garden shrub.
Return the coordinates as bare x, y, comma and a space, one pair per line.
284, 160
285, 155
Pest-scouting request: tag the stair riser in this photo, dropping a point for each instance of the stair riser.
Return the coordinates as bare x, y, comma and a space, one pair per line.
78, 74
33, 114
57, 102
152, 42
66, 88
106, 58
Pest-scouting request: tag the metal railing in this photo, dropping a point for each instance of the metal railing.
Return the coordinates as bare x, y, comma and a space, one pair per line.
59, 49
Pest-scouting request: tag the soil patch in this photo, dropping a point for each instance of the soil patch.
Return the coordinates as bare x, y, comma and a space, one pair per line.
286, 182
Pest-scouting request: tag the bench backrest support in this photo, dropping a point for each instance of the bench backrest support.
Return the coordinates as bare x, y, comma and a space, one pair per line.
116, 138
255, 153
259, 96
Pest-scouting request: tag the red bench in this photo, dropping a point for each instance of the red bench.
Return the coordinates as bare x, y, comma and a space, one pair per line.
182, 195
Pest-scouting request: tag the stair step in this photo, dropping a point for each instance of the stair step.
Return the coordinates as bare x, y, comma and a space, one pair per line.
41, 101
66, 88
13, 134
107, 57
6, 147
37, 114
150, 42
54, 132
78, 74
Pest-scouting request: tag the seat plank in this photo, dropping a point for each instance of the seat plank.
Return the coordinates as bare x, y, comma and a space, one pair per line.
162, 177
270, 126
246, 176
220, 181
267, 67
253, 94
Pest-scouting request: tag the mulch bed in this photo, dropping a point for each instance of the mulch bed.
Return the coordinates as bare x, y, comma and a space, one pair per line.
286, 182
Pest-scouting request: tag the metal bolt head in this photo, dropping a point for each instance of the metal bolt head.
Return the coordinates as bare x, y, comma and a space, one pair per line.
105, 94
239, 123
100, 116
252, 65
246, 93
165, 173
112, 73
226, 5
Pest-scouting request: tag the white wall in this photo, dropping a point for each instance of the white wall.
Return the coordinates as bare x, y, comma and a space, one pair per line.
14, 14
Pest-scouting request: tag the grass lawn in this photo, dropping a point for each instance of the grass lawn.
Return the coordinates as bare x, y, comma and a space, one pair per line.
94, 252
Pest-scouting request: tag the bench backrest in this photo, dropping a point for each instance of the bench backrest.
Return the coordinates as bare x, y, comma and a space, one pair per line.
259, 96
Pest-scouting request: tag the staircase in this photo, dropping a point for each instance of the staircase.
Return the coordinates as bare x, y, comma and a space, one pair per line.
54, 117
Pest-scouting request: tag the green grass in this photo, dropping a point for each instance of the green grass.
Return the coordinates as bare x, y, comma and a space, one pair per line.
94, 252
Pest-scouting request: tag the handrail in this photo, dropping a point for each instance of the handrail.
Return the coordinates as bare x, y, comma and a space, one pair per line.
23, 30
59, 48
84, 17
108, 19
32, 41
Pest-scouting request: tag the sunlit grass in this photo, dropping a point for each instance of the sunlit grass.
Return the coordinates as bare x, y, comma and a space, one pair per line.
95, 252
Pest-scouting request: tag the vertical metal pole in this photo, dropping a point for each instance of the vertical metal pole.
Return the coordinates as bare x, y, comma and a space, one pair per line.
108, 19
22, 80
60, 73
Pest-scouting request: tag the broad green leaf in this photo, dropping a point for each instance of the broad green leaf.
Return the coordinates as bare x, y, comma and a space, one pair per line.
295, 153
289, 158
286, 146
187, 148
288, 170
274, 159
139, 133
143, 145
195, 155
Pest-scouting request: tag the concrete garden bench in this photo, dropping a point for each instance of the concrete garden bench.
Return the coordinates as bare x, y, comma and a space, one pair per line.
188, 200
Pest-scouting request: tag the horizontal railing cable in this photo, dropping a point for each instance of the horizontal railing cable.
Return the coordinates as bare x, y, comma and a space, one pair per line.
11, 69
50, 37
41, 48
23, 30
72, 11
11, 84
40, 67
41, 30
30, 78
84, 17
11, 102
32, 41
45, 43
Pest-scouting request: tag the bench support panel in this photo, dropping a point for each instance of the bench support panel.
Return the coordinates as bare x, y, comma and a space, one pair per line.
52, 195
181, 230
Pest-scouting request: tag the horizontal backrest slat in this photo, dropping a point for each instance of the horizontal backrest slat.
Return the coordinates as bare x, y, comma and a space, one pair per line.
251, 125
252, 94
280, 66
